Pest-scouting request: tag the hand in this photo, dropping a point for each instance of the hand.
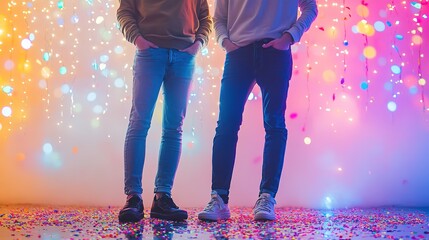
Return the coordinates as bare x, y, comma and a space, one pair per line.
229, 45
194, 48
282, 43
143, 44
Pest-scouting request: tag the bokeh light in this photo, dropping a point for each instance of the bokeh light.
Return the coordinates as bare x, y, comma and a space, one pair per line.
396, 69
9, 65
26, 43
369, 52
47, 148
379, 26
362, 11
391, 106
307, 140
6, 111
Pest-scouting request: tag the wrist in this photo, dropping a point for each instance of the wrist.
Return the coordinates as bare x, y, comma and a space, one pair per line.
289, 37
225, 42
200, 41
221, 40
137, 39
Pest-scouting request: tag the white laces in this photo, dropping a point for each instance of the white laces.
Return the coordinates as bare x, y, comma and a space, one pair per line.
213, 204
264, 203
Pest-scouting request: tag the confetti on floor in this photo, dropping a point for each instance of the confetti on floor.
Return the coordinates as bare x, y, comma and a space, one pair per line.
37, 222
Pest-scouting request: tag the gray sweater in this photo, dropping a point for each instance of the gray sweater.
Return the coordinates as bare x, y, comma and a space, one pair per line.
246, 21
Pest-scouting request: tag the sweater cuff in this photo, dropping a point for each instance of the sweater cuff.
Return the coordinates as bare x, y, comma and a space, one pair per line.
220, 40
133, 38
200, 40
295, 33
291, 36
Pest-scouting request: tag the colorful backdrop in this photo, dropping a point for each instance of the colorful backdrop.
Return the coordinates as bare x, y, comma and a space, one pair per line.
358, 109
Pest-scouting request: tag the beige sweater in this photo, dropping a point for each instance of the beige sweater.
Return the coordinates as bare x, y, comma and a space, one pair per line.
167, 23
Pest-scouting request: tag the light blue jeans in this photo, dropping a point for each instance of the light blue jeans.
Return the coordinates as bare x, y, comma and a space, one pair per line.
153, 68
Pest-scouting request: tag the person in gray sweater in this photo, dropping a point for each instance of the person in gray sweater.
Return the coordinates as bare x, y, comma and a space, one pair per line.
256, 35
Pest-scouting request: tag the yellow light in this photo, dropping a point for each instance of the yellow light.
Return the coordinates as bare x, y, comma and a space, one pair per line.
369, 52
332, 32
364, 28
24, 65
417, 39
422, 82
362, 11
46, 72
329, 76
369, 30
3, 24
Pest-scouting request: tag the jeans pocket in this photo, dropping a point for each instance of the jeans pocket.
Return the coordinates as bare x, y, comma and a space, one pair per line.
143, 52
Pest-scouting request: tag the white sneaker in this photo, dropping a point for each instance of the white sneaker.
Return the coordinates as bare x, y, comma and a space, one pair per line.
215, 209
264, 208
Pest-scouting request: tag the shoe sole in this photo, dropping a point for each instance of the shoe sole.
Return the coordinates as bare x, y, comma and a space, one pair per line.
213, 217
130, 216
264, 217
171, 217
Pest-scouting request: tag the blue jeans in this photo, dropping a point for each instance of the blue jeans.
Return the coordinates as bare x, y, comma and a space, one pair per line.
271, 69
153, 68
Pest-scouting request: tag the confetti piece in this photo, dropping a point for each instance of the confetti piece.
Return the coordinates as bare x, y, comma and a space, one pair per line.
416, 5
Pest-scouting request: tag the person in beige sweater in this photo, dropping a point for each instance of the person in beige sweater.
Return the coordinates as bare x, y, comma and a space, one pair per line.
256, 35
167, 35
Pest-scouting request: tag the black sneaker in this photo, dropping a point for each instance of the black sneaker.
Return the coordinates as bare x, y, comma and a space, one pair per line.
132, 211
165, 208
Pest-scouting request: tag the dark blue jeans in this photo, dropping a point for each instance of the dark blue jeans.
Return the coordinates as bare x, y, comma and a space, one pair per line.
153, 68
271, 69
